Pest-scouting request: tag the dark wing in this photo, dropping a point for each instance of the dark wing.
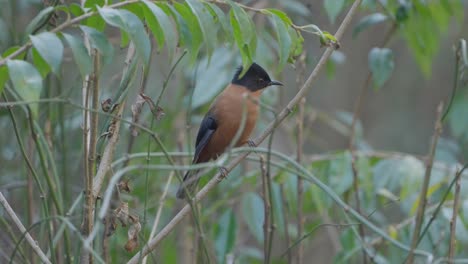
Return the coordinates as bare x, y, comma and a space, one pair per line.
206, 131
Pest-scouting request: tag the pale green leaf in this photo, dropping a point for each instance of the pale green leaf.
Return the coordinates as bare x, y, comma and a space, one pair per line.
381, 65
99, 41
129, 22
333, 8
225, 235
50, 48
280, 14
38, 20
206, 24
161, 26
80, 54
369, 21
26, 80
284, 40
194, 29
253, 214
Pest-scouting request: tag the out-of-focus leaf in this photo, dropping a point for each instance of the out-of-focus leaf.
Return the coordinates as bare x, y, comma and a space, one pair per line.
4, 34
244, 34
225, 235
194, 28
161, 26
341, 174
26, 80
279, 14
369, 21
40, 64
461, 233
381, 65
333, 8
185, 37
206, 23
220, 18
94, 3
75, 9
50, 48
38, 20
208, 87
457, 118
3, 77
447, 150
99, 42
80, 54
284, 40
336, 58
253, 214
129, 22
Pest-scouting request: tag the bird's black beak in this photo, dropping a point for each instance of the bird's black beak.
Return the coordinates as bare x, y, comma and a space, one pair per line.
275, 83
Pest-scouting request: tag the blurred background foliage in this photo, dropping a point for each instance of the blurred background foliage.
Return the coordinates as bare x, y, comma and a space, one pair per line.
410, 53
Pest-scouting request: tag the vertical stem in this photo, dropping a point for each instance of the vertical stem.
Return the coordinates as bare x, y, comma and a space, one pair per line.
267, 214
453, 222
427, 177
285, 216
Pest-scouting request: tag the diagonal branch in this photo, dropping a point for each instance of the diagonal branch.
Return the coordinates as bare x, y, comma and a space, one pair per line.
281, 116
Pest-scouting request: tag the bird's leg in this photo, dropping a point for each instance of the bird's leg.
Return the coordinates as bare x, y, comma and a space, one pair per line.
224, 172
251, 143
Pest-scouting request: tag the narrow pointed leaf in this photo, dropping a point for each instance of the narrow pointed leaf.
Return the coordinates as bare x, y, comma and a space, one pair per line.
284, 40
80, 54
381, 65
50, 48
194, 27
226, 235
129, 22
161, 26
207, 26
99, 41
26, 80
369, 21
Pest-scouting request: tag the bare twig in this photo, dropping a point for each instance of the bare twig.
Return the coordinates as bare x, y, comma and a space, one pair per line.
266, 209
285, 217
23, 230
281, 116
427, 177
453, 221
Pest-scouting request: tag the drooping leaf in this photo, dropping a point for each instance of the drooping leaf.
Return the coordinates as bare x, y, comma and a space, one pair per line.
99, 41
225, 235
207, 26
40, 64
369, 21
333, 8
38, 20
185, 37
253, 213
161, 26
129, 22
80, 54
50, 48
75, 9
94, 3
284, 40
280, 14
381, 65
194, 29
220, 18
26, 80
3, 77
244, 34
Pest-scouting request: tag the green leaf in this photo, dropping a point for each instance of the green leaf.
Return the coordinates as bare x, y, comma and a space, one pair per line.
26, 80
341, 173
4, 35
225, 235
284, 40
185, 37
244, 34
206, 23
40, 64
129, 22
50, 48
381, 65
161, 26
38, 20
99, 41
333, 8
221, 19
94, 3
3, 77
75, 9
369, 21
80, 54
253, 213
280, 14
194, 29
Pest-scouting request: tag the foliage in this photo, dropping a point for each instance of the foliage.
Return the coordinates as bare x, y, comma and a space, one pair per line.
58, 66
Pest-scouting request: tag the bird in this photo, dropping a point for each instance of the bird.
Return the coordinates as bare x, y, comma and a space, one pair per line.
235, 108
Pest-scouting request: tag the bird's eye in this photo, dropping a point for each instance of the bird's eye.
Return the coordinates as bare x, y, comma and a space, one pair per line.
260, 80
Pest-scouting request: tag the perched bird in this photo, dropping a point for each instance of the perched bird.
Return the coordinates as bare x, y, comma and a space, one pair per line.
233, 109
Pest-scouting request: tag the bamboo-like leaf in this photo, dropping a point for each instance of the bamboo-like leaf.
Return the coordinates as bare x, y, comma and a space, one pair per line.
284, 40
333, 8
49, 46
80, 54
194, 28
129, 22
280, 14
161, 26
220, 18
369, 21
26, 80
253, 213
99, 41
207, 26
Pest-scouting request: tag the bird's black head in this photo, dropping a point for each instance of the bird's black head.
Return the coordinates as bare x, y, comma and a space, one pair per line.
256, 78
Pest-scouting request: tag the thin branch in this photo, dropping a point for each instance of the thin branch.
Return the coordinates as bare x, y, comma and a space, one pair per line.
281, 116
427, 177
453, 221
23, 230
266, 210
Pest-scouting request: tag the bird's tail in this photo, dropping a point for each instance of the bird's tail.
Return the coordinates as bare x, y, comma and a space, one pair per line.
188, 185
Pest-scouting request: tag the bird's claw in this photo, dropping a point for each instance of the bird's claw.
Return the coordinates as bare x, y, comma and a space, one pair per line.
251, 143
224, 172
